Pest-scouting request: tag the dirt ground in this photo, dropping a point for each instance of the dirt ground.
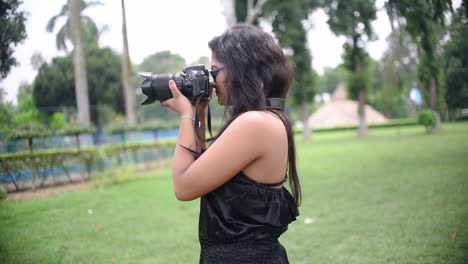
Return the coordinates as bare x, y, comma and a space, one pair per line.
44, 192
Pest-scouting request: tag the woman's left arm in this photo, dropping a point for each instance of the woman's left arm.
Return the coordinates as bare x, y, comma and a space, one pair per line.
239, 145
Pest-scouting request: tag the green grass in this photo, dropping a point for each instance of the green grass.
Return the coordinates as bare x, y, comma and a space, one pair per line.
396, 196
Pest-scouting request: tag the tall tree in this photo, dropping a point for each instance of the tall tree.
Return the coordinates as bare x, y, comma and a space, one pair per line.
456, 61
286, 19
127, 73
249, 9
352, 18
399, 71
13, 32
79, 64
421, 19
64, 35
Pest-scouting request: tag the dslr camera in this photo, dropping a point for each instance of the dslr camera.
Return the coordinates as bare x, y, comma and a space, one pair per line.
193, 83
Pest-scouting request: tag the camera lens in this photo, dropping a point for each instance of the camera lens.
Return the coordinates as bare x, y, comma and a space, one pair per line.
156, 86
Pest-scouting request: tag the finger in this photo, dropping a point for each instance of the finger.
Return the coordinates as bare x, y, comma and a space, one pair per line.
174, 90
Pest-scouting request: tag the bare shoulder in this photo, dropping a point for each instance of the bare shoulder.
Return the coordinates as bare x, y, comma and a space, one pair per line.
254, 120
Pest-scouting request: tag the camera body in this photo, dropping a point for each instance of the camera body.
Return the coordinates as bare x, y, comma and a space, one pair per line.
193, 83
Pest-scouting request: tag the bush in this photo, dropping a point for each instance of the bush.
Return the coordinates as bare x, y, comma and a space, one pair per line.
3, 193
427, 118
116, 174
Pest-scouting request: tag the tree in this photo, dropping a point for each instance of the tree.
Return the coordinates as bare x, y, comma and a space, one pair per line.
159, 62
352, 18
127, 73
79, 64
73, 30
53, 85
13, 32
331, 78
249, 9
26, 112
456, 61
6, 114
286, 19
399, 70
64, 35
422, 19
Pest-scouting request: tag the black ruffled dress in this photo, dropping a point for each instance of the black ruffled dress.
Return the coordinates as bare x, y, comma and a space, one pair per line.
240, 222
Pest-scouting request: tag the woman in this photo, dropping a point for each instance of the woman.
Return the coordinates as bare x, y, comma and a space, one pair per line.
244, 207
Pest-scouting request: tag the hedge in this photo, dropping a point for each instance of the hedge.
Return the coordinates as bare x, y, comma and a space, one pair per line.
13, 166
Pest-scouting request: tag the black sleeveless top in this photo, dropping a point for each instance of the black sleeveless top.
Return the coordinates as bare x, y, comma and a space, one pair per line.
241, 221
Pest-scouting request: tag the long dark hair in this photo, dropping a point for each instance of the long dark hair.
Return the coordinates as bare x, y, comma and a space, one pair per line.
256, 69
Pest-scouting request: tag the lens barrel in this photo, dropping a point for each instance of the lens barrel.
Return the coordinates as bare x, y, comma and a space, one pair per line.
156, 86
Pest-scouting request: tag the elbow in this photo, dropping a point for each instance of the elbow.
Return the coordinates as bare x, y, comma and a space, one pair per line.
183, 195
183, 191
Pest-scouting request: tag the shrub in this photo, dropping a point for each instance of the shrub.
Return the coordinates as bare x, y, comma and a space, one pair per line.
3, 193
427, 118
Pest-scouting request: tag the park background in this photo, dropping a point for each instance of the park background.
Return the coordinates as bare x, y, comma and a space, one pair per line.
393, 192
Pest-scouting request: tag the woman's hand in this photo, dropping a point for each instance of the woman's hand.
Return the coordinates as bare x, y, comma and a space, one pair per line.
204, 101
179, 103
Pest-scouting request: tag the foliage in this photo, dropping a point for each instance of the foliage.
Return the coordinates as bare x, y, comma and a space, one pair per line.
399, 72
6, 114
456, 60
155, 125
57, 121
3, 193
120, 126
159, 62
331, 78
353, 20
29, 131
162, 62
26, 111
13, 32
427, 119
286, 19
54, 83
422, 19
93, 158
116, 174
75, 128
90, 30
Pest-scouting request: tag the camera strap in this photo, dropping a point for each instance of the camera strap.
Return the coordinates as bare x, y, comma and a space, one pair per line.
197, 120
275, 103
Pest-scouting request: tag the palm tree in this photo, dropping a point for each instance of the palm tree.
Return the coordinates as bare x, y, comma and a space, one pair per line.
65, 34
79, 63
126, 74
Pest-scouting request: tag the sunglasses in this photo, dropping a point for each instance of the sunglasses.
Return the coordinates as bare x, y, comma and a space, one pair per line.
215, 72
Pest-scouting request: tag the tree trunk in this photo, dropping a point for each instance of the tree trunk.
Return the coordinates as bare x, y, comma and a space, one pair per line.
253, 11
362, 104
126, 74
79, 65
386, 99
31, 163
362, 114
306, 133
433, 95
229, 12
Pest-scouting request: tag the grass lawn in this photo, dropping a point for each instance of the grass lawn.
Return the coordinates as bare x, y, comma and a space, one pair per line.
396, 196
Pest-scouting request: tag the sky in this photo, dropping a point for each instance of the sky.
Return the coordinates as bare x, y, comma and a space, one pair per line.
182, 26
